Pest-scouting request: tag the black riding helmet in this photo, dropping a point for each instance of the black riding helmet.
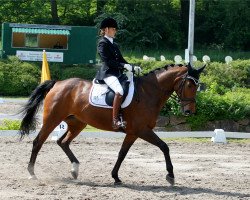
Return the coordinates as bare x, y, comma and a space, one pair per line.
108, 22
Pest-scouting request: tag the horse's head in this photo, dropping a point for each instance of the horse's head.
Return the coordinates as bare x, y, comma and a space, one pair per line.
186, 87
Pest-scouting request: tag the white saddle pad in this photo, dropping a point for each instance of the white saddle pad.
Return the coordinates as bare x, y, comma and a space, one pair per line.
98, 93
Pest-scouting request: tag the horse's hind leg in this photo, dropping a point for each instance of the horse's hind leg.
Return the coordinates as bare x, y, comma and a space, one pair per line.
74, 128
152, 138
51, 118
35, 149
37, 145
127, 143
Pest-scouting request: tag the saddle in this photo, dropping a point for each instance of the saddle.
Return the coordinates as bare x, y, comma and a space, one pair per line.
103, 96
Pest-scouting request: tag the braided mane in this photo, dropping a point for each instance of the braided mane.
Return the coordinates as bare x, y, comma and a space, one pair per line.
166, 67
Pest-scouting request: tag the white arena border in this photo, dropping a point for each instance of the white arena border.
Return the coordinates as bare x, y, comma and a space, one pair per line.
161, 134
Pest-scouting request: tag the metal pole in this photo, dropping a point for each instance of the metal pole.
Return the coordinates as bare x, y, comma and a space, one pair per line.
191, 31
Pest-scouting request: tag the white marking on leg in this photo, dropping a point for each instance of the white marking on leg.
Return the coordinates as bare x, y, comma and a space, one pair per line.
75, 169
32, 177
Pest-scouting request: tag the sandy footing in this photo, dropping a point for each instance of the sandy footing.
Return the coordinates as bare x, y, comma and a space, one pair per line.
203, 171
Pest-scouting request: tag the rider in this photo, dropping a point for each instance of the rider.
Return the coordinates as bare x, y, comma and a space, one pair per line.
113, 65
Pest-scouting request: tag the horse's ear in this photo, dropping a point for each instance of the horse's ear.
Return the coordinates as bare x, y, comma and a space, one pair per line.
194, 72
191, 70
189, 66
201, 69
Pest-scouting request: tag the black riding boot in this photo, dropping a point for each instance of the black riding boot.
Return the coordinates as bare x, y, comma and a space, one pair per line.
116, 108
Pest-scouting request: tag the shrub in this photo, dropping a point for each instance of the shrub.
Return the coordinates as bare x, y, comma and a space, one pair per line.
227, 95
18, 78
56, 71
10, 124
84, 72
197, 121
221, 78
171, 107
234, 105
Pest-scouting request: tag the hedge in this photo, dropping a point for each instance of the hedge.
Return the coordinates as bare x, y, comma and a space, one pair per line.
18, 78
227, 94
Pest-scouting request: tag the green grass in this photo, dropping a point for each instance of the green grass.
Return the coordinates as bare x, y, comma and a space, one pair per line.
8, 124
91, 129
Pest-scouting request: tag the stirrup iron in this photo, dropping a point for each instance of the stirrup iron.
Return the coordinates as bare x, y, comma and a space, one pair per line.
122, 122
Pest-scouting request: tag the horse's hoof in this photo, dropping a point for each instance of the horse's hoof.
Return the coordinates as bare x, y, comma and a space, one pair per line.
32, 177
74, 174
118, 183
170, 180
75, 169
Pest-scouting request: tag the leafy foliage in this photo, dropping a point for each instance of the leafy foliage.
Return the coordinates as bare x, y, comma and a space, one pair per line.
234, 105
227, 94
147, 24
79, 72
10, 124
221, 78
17, 77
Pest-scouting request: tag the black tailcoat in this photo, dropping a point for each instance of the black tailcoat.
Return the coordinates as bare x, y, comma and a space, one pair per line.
112, 60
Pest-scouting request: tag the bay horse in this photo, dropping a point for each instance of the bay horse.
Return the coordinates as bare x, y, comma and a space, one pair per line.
68, 101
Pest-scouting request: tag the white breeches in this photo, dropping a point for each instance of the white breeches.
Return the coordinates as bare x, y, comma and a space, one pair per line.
114, 84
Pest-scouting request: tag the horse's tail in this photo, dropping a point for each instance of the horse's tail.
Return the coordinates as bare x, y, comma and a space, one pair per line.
31, 108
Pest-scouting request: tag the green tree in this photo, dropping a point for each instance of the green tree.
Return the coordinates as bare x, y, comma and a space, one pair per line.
223, 24
161, 24
54, 12
146, 24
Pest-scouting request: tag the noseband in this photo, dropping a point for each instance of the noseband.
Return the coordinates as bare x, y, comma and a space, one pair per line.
180, 90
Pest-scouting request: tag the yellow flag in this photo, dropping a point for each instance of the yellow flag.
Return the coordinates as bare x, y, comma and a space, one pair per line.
45, 69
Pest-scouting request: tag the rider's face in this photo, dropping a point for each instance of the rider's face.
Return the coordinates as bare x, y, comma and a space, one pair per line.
110, 31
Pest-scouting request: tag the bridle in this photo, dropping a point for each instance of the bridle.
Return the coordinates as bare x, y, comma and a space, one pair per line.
179, 92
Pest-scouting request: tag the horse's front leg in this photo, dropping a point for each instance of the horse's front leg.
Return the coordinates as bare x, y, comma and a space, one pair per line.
74, 128
152, 138
127, 143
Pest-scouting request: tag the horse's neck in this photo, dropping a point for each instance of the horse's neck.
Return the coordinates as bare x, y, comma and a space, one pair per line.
159, 86
167, 78
151, 90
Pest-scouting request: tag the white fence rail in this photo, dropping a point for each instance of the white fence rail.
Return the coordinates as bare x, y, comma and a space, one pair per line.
181, 134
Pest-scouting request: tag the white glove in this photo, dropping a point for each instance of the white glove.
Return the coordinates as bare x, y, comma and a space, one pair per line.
137, 69
128, 67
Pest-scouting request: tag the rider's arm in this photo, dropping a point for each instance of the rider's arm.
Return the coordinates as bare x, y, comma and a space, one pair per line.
107, 56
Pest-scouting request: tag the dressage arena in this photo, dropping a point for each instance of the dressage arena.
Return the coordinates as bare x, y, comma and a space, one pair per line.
203, 170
